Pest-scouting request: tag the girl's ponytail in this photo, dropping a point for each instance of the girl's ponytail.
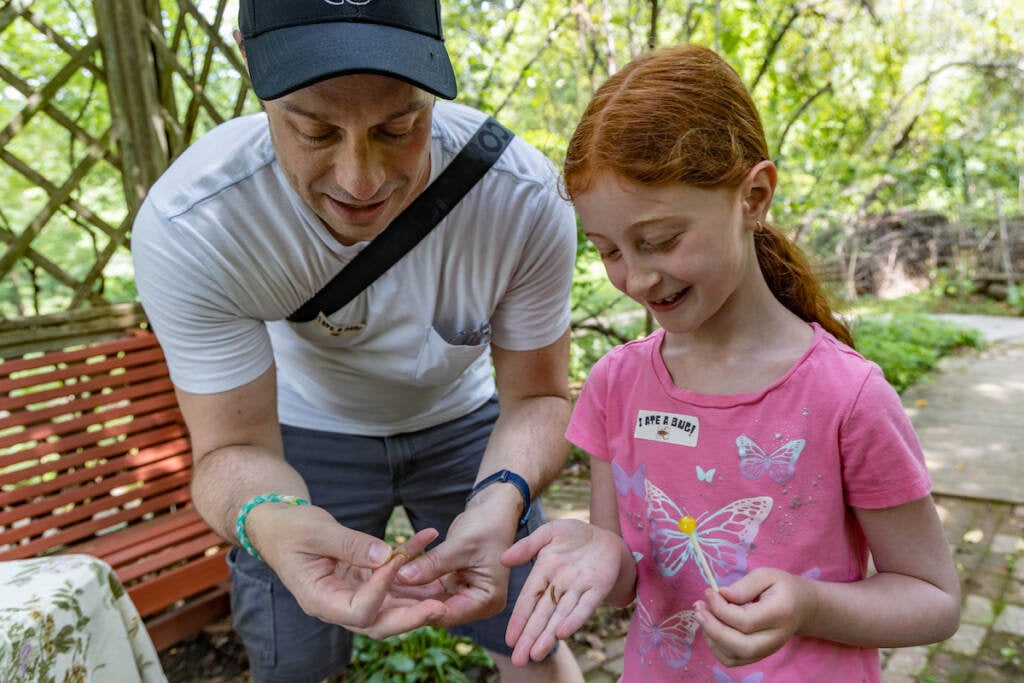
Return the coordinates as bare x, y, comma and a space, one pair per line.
789, 276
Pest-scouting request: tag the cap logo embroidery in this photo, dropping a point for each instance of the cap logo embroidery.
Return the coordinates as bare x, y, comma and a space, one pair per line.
348, 2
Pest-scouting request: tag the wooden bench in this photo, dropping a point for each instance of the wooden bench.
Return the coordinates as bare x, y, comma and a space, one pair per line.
95, 459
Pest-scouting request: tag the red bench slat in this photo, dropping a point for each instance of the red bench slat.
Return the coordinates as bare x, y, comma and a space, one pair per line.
95, 459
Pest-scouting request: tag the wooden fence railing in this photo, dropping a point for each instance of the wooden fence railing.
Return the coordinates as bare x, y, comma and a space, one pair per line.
96, 98
69, 329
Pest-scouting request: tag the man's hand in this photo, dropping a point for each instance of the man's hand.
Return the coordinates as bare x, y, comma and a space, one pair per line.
468, 565
346, 577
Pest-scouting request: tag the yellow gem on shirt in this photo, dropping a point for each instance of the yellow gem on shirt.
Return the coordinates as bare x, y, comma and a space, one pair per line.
687, 525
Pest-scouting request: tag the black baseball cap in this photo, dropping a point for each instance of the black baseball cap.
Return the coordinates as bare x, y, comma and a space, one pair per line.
290, 44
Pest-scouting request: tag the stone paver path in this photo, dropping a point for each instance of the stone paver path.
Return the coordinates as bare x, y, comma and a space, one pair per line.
970, 418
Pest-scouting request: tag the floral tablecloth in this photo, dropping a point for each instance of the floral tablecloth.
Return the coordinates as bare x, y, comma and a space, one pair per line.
67, 619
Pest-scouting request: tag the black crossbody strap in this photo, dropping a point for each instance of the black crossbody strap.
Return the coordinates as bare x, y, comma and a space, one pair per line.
413, 224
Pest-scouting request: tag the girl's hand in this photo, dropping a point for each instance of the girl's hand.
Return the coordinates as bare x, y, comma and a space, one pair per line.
754, 617
577, 565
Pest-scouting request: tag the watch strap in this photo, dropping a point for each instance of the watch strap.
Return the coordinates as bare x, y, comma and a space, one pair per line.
507, 477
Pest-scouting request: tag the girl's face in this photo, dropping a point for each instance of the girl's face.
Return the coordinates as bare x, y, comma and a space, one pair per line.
682, 252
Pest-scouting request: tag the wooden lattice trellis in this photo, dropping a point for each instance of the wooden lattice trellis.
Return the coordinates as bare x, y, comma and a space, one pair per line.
98, 97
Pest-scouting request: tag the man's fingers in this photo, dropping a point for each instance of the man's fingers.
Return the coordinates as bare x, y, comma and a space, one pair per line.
415, 545
360, 609
443, 559
370, 596
348, 546
470, 604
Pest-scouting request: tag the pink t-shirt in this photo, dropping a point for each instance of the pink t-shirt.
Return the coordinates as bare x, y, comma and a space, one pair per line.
768, 479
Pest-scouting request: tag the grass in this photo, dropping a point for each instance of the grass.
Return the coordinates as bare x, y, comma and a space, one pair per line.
928, 301
909, 346
899, 335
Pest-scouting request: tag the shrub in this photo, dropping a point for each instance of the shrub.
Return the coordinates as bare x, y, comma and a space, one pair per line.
420, 656
907, 347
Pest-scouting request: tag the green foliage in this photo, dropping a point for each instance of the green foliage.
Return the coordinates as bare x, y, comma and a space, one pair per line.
1012, 655
946, 297
602, 316
425, 655
867, 106
907, 347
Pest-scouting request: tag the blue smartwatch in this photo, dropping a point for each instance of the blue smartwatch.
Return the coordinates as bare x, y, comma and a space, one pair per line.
507, 477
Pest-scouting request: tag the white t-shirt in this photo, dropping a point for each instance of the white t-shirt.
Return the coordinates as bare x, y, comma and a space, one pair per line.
224, 250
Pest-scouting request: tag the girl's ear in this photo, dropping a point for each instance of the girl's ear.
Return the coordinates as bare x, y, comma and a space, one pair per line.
758, 188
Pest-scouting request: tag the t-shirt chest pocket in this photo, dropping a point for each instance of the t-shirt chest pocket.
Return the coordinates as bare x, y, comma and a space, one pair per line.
441, 361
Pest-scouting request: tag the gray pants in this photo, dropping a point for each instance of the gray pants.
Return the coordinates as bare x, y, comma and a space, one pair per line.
360, 480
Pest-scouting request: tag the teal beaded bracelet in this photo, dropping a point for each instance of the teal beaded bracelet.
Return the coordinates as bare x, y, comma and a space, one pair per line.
243, 537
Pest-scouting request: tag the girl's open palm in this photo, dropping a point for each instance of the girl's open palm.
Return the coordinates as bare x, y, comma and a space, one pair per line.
577, 565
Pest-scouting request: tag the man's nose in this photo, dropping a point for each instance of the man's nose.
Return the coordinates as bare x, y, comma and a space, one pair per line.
359, 171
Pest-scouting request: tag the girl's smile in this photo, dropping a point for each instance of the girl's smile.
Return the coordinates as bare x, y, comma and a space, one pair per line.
680, 251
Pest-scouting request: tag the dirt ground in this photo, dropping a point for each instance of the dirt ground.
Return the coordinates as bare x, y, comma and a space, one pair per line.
217, 656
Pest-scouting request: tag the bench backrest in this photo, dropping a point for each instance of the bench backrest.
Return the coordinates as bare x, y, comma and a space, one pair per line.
95, 459
91, 440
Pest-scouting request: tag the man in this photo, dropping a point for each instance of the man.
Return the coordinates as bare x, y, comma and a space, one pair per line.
391, 399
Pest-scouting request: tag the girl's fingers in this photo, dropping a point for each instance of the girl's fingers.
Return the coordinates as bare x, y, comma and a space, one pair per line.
564, 605
534, 589
516, 634
536, 604
525, 549
585, 605
552, 608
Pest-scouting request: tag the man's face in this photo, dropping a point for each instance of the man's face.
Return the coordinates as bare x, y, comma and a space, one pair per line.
356, 149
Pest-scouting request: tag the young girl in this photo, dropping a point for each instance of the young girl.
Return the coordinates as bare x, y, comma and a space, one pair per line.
745, 459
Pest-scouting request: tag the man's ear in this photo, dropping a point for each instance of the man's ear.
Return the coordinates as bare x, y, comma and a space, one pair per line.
237, 35
758, 189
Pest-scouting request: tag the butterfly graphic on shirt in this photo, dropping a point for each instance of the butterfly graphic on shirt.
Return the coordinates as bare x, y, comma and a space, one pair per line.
704, 475
671, 638
780, 464
722, 677
626, 483
725, 536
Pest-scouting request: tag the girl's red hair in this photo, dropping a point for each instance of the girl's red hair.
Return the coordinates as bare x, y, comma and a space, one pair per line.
683, 115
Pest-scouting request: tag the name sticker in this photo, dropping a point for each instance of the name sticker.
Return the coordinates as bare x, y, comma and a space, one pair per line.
681, 430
